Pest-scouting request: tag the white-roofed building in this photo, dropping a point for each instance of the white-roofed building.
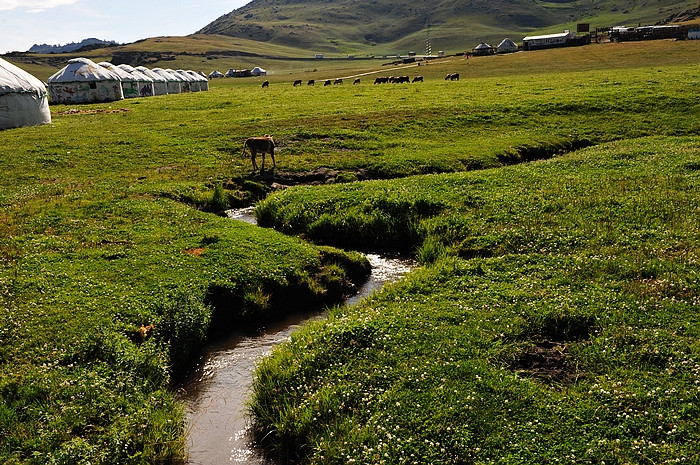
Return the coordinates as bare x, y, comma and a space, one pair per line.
145, 83
174, 83
23, 98
84, 81
160, 84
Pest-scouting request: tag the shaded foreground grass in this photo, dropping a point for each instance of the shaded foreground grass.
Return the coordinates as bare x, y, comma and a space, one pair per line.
99, 240
555, 323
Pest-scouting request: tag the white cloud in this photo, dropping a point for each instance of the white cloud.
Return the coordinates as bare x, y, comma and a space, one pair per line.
33, 6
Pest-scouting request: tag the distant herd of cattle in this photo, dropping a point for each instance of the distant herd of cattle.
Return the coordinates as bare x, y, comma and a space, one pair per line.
379, 80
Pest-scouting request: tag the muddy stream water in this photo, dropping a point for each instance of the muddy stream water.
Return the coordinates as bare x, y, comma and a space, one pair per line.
216, 393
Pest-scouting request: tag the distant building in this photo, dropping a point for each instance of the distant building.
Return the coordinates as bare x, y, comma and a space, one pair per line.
507, 46
694, 34
624, 34
547, 41
562, 39
483, 49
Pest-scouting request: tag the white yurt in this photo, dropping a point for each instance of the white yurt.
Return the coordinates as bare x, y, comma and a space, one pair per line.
23, 98
160, 84
216, 74
84, 81
257, 71
202, 81
174, 86
191, 82
507, 46
483, 49
184, 81
145, 83
130, 87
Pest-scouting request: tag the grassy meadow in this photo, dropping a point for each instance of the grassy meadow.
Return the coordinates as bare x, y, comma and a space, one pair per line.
554, 319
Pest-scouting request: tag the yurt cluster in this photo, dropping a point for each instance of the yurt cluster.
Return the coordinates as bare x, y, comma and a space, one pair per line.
84, 81
24, 99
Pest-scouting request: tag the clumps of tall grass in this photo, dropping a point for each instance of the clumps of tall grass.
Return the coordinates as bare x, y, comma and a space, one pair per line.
261, 299
181, 323
542, 151
353, 218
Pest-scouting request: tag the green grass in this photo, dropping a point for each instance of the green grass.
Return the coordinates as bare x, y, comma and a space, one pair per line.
107, 225
585, 266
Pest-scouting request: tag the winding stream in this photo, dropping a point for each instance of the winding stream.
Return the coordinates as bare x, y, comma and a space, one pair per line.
215, 395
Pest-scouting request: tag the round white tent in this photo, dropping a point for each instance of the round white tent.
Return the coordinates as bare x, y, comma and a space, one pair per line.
199, 82
84, 81
184, 81
507, 46
216, 74
174, 82
144, 83
192, 84
483, 49
203, 81
130, 87
160, 84
23, 98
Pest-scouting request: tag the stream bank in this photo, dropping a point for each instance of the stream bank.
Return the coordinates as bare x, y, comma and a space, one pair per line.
216, 392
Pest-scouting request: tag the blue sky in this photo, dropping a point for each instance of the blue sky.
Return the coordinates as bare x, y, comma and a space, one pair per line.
24, 23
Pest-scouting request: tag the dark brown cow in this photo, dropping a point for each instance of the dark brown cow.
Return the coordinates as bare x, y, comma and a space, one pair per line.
311, 82
327, 82
297, 83
265, 84
418, 79
356, 81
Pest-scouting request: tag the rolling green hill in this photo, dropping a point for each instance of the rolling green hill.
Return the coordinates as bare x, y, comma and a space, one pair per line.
386, 26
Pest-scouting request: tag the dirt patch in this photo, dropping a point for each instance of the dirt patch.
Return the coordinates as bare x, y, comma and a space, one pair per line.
196, 252
76, 111
282, 179
546, 361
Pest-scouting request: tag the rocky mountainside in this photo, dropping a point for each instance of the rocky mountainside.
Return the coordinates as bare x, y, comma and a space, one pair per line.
72, 47
361, 25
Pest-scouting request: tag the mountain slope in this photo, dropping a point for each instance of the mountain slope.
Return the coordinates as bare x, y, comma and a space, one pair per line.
383, 25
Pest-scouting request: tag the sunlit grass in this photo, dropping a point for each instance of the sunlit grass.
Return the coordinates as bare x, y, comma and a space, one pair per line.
105, 228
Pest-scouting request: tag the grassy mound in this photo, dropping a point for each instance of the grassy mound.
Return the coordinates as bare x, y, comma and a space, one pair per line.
557, 324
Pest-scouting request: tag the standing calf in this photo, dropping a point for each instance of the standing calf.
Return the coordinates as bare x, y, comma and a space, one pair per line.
265, 144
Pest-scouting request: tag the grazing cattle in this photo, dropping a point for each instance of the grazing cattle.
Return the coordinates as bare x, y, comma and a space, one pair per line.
356, 81
418, 79
402, 79
452, 77
265, 144
327, 82
381, 80
297, 83
311, 82
338, 81
265, 84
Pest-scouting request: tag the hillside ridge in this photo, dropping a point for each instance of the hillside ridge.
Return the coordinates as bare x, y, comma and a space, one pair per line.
365, 25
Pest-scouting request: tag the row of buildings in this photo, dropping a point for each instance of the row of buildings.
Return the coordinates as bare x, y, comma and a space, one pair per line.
569, 38
24, 99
